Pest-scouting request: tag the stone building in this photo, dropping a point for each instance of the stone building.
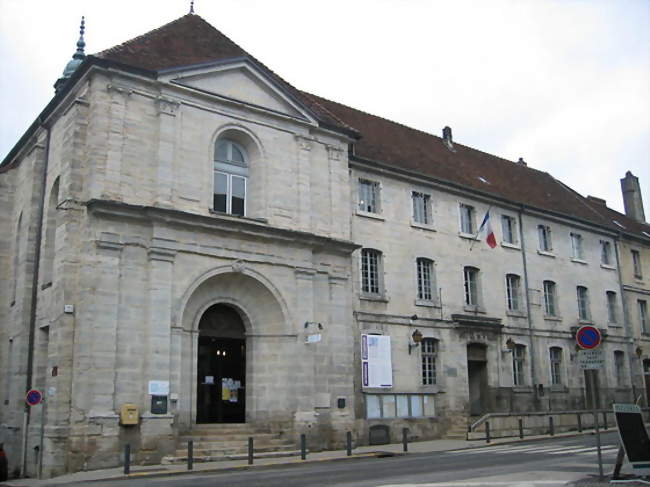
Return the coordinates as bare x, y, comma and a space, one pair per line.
185, 233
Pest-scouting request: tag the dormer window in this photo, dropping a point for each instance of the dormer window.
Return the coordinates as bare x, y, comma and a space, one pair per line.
230, 177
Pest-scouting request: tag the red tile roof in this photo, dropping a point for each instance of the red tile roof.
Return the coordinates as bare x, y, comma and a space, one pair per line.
190, 40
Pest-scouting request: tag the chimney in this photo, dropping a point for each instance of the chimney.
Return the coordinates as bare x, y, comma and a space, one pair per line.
446, 138
522, 162
632, 197
446, 135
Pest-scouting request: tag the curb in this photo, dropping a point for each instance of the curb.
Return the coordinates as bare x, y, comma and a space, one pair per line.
234, 468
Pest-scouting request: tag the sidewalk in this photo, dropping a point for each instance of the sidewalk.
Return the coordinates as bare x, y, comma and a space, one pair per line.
138, 471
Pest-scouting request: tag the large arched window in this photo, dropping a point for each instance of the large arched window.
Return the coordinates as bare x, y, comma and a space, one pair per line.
230, 177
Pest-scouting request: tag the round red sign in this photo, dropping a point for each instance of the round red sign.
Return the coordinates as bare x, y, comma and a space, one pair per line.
588, 337
33, 397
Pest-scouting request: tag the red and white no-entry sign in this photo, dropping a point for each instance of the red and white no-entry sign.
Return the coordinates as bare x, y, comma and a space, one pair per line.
588, 337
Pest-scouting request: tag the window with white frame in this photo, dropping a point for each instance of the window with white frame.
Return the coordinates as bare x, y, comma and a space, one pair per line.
230, 177
429, 348
576, 246
513, 284
518, 359
636, 263
550, 298
471, 275
371, 272
467, 219
605, 252
369, 201
643, 315
421, 208
426, 281
509, 229
612, 307
555, 357
544, 235
583, 303
619, 368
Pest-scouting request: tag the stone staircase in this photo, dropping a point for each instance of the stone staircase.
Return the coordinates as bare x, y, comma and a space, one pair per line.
217, 442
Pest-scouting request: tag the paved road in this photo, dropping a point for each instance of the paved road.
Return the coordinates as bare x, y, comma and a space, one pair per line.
547, 463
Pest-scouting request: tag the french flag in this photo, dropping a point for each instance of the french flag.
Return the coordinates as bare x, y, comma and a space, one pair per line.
487, 224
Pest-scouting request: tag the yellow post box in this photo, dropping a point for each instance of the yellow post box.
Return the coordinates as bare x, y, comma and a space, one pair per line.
129, 414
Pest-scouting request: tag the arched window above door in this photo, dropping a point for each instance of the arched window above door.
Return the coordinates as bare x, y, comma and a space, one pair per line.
230, 177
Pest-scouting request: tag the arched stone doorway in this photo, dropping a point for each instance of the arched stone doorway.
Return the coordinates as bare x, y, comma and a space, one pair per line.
221, 366
261, 318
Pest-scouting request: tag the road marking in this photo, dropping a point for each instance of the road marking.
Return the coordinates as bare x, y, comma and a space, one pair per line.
587, 449
551, 450
519, 483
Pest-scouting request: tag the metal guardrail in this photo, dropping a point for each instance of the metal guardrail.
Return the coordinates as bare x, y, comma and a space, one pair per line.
550, 427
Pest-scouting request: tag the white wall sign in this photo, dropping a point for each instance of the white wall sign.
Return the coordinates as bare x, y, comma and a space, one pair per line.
159, 387
591, 359
313, 338
376, 365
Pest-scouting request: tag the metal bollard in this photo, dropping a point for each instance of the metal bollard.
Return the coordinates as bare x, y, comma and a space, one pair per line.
579, 423
127, 459
348, 443
521, 428
250, 450
405, 439
551, 426
303, 447
487, 432
604, 420
190, 454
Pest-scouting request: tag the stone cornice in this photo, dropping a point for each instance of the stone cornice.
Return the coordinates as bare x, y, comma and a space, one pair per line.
245, 227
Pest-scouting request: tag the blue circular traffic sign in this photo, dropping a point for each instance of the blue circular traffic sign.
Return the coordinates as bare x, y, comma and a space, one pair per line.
33, 397
588, 337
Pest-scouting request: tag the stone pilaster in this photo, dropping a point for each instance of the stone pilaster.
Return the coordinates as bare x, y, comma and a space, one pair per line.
161, 261
115, 143
166, 109
100, 323
304, 182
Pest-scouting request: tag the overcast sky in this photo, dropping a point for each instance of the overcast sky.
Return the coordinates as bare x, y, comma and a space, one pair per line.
564, 84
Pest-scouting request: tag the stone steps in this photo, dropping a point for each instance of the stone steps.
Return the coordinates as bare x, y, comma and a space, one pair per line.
230, 442
227, 437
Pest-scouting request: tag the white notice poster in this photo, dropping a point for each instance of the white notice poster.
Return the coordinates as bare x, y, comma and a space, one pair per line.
376, 365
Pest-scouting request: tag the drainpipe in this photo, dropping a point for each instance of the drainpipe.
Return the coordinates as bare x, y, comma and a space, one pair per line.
533, 369
34, 300
626, 315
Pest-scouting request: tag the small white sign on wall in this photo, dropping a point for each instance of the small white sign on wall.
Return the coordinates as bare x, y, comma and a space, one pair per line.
159, 387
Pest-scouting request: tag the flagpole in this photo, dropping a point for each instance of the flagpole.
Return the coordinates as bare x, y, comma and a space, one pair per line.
479, 229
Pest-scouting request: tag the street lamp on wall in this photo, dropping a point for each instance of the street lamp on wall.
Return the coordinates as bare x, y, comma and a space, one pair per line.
417, 339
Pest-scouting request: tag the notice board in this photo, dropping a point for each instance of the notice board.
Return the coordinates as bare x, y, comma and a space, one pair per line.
376, 365
634, 437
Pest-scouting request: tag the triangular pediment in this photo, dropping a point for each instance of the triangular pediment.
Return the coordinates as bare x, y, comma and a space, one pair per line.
241, 82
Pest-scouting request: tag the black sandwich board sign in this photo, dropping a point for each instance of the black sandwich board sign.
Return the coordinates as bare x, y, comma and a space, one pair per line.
634, 437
